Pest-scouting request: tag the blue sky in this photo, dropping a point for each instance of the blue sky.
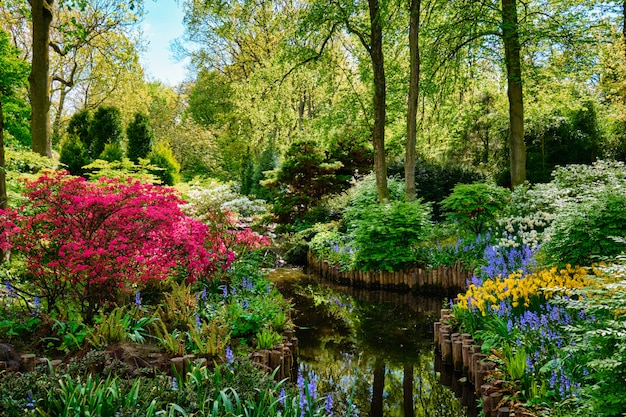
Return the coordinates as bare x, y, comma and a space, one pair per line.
162, 24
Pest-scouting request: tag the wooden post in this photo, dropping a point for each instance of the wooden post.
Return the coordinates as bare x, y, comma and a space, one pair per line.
178, 366
446, 348
28, 362
466, 348
436, 330
504, 412
457, 357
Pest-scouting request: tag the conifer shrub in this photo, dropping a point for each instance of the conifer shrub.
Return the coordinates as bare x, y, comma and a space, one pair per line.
163, 158
105, 127
74, 155
140, 136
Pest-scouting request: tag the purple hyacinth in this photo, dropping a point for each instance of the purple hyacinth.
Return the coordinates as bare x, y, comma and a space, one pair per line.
328, 405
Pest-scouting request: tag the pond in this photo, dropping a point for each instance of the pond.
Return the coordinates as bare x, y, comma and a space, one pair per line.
372, 349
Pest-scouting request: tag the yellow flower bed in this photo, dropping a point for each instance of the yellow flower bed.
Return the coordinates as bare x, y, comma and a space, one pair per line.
518, 290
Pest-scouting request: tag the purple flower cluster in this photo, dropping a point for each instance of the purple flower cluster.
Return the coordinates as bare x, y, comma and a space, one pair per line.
505, 261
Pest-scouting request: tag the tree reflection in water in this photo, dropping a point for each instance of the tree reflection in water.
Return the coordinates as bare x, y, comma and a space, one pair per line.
369, 348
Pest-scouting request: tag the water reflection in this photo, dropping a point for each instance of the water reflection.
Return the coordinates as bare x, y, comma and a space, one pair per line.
371, 349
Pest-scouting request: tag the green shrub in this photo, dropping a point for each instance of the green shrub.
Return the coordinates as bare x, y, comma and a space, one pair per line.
163, 158
583, 232
475, 205
74, 155
79, 126
105, 127
385, 237
112, 152
139, 134
333, 247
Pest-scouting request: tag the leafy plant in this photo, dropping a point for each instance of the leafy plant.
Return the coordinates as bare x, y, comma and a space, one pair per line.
70, 335
119, 325
386, 236
168, 168
583, 232
475, 205
209, 339
267, 339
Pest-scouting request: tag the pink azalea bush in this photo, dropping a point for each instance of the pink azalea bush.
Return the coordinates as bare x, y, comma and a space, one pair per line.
89, 241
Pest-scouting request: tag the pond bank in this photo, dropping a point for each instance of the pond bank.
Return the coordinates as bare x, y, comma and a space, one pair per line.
442, 280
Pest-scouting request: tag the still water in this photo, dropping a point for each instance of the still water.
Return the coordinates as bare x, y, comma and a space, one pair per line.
372, 349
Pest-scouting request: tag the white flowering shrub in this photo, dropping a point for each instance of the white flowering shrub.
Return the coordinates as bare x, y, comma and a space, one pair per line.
207, 198
545, 212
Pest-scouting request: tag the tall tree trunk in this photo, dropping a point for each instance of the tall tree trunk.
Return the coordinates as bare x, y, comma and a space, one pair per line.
56, 125
378, 388
414, 85
39, 78
380, 100
517, 146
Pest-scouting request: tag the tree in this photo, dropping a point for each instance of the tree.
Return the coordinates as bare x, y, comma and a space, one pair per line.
79, 126
414, 85
140, 136
39, 78
510, 36
106, 128
75, 36
305, 176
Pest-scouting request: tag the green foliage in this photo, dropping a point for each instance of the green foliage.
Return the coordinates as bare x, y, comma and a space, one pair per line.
355, 203
586, 231
333, 247
105, 128
16, 122
386, 236
476, 205
568, 139
73, 155
163, 158
140, 136
13, 76
69, 336
122, 169
120, 325
112, 152
305, 176
435, 181
79, 126
599, 344
267, 339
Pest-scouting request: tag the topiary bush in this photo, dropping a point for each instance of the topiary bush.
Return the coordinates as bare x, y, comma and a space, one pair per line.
106, 127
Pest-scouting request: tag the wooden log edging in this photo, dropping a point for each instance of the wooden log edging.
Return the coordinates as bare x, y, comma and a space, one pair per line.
443, 279
463, 354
